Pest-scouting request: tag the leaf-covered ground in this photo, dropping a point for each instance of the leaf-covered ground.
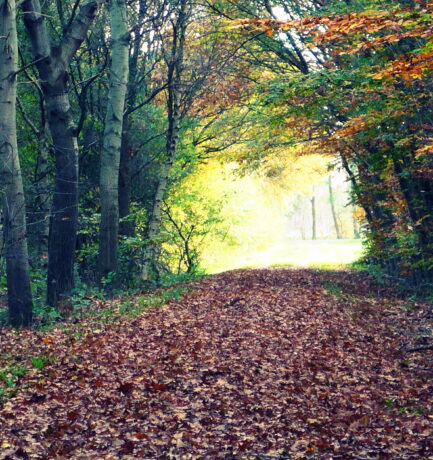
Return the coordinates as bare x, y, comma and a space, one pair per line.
272, 363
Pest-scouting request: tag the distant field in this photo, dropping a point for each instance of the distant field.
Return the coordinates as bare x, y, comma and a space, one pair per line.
319, 253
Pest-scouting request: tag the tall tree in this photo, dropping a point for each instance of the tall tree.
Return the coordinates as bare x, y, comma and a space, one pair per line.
313, 218
175, 68
17, 264
144, 57
52, 62
333, 210
110, 158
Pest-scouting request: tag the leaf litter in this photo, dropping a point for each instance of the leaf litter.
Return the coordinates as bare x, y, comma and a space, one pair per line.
270, 363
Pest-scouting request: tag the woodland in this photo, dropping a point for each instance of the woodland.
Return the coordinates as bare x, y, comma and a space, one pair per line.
128, 129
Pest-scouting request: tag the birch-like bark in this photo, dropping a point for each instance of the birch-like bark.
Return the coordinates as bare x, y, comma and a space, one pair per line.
14, 228
174, 82
52, 63
110, 158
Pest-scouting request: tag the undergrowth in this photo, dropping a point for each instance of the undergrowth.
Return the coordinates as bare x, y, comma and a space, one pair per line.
103, 304
83, 312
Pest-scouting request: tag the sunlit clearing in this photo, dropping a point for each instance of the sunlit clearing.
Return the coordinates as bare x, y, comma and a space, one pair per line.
301, 218
332, 254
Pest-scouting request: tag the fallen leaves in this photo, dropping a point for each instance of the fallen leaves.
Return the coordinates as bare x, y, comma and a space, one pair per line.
250, 363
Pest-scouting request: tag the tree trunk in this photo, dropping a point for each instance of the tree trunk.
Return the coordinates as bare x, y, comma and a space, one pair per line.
17, 262
313, 216
155, 219
126, 227
174, 82
360, 199
43, 194
333, 211
110, 158
52, 63
356, 229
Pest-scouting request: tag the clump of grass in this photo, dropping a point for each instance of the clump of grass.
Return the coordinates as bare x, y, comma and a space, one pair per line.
132, 306
38, 362
9, 378
153, 300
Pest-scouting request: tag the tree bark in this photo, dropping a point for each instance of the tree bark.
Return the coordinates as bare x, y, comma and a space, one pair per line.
110, 158
52, 63
333, 211
126, 227
17, 262
313, 217
174, 82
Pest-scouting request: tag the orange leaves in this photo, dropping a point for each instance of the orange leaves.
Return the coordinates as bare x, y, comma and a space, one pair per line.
409, 68
426, 149
368, 30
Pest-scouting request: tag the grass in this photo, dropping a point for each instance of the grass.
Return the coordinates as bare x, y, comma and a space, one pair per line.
128, 306
325, 254
9, 377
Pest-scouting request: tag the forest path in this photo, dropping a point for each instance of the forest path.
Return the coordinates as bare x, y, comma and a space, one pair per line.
270, 363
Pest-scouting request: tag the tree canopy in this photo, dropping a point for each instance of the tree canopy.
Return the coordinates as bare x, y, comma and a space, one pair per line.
122, 108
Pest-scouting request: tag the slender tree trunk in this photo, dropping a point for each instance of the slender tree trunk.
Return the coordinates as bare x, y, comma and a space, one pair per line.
333, 211
17, 263
126, 152
360, 199
175, 69
52, 63
155, 220
356, 231
313, 216
110, 159
125, 187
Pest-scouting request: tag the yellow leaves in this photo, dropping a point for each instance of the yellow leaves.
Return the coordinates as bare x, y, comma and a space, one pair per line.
374, 14
426, 149
421, 220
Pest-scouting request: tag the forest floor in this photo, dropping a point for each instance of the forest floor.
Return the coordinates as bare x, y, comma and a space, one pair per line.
261, 364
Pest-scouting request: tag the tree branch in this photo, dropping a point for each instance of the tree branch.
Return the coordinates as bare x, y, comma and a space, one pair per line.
77, 30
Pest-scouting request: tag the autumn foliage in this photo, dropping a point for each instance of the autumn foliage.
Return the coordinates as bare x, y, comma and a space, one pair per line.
367, 96
278, 363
